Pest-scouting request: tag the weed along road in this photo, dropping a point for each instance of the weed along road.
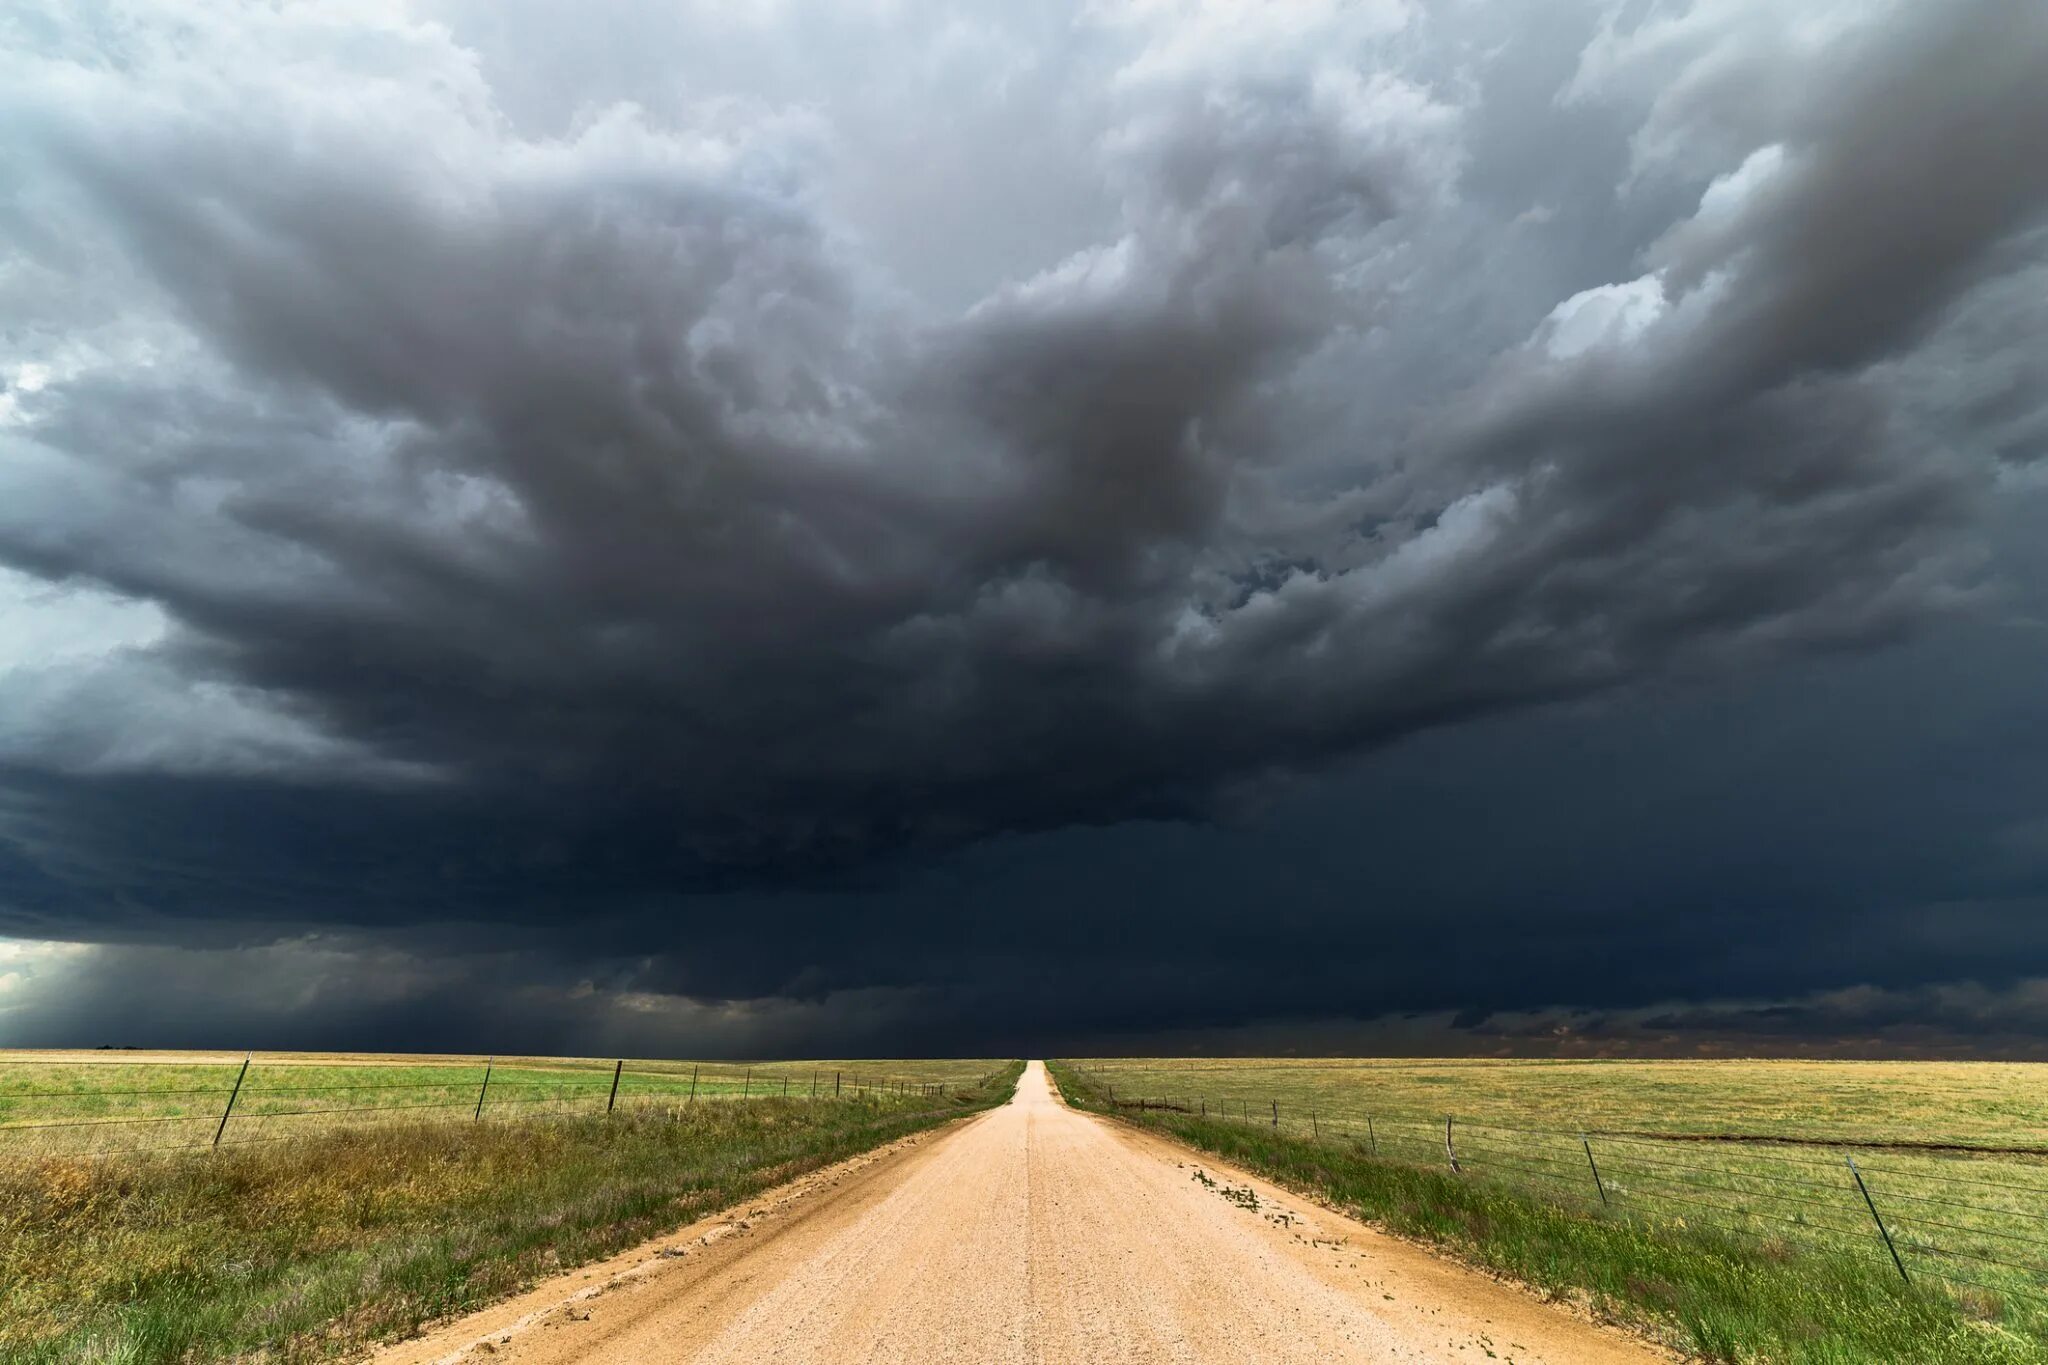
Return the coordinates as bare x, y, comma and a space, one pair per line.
1031, 1233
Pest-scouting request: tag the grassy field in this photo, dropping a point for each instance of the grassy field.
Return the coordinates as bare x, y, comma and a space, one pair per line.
1725, 1214
95, 1102
1990, 1104
307, 1248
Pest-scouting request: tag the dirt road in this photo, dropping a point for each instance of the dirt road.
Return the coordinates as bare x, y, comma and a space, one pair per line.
1030, 1234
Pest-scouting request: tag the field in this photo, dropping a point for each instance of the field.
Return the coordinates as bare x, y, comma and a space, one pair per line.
1989, 1104
321, 1231
1751, 1158
125, 1102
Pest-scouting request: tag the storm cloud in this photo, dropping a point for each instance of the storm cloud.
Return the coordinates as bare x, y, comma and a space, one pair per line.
693, 495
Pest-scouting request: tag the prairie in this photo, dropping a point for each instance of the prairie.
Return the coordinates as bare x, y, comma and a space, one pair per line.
1989, 1104
110, 1102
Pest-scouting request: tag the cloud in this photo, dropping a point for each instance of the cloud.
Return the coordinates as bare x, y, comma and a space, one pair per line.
490, 499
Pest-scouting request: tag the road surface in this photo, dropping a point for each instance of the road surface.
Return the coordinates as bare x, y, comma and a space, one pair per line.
1032, 1233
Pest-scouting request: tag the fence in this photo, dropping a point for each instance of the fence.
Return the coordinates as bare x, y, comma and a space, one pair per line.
118, 1107
1971, 1219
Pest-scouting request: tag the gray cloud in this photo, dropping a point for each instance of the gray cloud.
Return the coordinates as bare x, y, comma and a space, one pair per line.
460, 493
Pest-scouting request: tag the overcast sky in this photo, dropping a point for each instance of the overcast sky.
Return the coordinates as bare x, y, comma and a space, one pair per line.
902, 527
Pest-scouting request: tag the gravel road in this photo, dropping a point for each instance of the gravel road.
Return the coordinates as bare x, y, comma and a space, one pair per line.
1031, 1233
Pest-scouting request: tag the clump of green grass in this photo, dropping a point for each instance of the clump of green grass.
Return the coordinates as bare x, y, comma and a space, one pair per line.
306, 1249
1718, 1296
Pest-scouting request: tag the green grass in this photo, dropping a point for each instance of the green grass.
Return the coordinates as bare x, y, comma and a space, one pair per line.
85, 1102
1726, 1286
312, 1247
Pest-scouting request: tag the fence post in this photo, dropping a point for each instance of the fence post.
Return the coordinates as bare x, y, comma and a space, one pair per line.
1372, 1139
617, 1071
1314, 1127
1205, 1106
835, 1085
785, 1087
1276, 1113
693, 1087
1882, 1231
232, 1095
1587, 1143
814, 1082
1450, 1152
483, 1090
747, 1086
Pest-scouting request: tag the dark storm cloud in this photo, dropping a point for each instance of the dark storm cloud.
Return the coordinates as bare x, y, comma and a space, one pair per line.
425, 502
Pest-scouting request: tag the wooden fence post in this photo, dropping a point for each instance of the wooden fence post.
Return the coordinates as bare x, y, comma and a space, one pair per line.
1598, 1184
232, 1096
1882, 1231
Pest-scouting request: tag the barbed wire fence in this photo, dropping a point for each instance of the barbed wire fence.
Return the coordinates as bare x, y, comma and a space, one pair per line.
245, 1106
1970, 1219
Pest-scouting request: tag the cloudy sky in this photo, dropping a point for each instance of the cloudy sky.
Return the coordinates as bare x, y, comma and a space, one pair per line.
902, 527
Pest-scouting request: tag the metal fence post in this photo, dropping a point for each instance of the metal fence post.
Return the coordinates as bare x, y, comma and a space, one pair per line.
1313, 1126
483, 1090
1450, 1152
1276, 1113
1372, 1139
1882, 1231
1587, 1143
617, 1071
232, 1095
835, 1085
747, 1086
693, 1086
814, 1083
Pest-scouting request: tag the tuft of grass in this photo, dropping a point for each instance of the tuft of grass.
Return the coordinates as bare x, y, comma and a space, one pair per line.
312, 1248
1719, 1296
